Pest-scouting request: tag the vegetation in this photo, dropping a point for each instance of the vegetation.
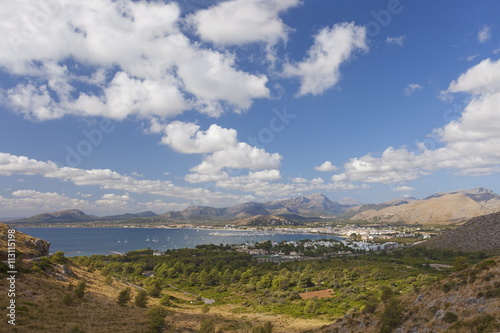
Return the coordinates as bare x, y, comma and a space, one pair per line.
379, 288
232, 277
124, 296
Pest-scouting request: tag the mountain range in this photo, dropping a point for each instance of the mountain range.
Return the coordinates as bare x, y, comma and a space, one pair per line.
445, 207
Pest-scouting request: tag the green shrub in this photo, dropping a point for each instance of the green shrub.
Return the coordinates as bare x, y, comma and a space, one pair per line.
450, 317
124, 296
141, 299
156, 316
76, 329
391, 317
80, 289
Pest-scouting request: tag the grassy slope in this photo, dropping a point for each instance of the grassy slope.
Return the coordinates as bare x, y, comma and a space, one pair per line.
467, 301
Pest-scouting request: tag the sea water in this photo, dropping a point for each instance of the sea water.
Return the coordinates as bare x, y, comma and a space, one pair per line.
89, 241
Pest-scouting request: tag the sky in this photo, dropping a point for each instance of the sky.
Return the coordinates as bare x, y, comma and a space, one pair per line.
127, 106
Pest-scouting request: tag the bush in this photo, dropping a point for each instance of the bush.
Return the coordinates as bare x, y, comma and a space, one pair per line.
80, 289
207, 326
141, 299
108, 280
166, 300
67, 299
59, 258
450, 317
124, 296
76, 329
156, 316
391, 317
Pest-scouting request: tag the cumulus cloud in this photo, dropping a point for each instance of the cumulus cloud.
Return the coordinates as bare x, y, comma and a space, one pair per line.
23, 201
133, 55
411, 88
468, 145
484, 34
320, 70
29, 202
403, 189
395, 40
187, 138
221, 146
240, 22
111, 180
239, 156
326, 167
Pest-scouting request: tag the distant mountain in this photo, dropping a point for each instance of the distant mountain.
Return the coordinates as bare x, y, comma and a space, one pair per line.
264, 220
449, 207
480, 233
127, 216
203, 212
312, 205
70, 215
352, 211
76, 215
479, 194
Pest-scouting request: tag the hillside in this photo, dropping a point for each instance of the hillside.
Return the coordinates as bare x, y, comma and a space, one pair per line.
465, 302
438, 209
264, 220
27, 246
481, 233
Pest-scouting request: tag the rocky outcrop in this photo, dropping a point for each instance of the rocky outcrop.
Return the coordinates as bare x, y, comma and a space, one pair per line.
26, 246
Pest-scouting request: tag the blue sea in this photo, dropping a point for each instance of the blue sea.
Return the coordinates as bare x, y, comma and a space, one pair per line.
89, 241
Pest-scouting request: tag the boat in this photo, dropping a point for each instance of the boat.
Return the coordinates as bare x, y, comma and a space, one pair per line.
125, 241
119, 240
147, 239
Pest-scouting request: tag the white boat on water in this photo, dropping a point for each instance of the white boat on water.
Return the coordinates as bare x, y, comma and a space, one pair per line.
147, 239
125, 241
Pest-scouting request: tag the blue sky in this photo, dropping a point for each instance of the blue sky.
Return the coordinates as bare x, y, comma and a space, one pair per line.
131, 106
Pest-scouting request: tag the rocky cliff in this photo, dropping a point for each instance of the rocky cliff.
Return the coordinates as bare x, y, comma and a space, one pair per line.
26, 246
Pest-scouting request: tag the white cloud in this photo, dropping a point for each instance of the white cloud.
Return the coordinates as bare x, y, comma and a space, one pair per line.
411, 88
483, 78
471, 57
403, 189
484, 34
240, 156
326, 167
114, 200
30, 202
111, 180
24, 201
332, 47
468, 144
187, 138
395, 40
221, 146
137, 59
240, 22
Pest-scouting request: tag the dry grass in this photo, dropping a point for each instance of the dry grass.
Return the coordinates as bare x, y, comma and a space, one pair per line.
40, 308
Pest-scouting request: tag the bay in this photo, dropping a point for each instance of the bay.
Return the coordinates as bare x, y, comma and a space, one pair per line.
89, 241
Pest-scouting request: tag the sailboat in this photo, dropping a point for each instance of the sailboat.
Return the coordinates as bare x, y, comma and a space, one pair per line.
119, 240
155, 239
125, 241
147, 239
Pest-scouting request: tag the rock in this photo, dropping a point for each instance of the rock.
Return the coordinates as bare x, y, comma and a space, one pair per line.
439, 314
